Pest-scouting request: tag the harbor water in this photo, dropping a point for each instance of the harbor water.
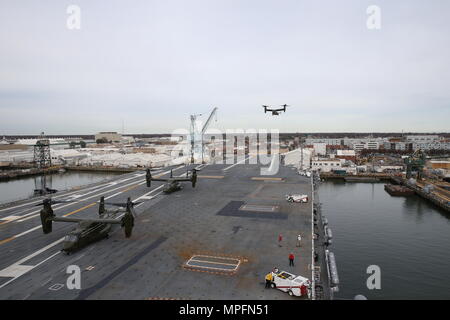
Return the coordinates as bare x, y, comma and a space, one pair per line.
407, 237
23, 188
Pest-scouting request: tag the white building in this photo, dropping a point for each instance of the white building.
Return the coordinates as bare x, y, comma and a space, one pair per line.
423, 138
327, 141
370, 145
345, 153
32, 142
397, 145
366, 143
67, 156
326, 165
294, 158
436, 145
320, 148
128, 160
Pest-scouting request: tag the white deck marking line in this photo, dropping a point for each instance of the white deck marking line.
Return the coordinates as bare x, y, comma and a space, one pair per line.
35, 213
216, 257
192, 259
72, 192
239, 162
5, 271
96, 189
9, 218
27, 216
17, 270
18, 206
203, 267
26, 269
146, 197
149, 198
40, 251
110, 185
25, 232
222, 263
148, 193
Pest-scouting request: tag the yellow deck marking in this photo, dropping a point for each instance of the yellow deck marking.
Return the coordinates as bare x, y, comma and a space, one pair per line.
66, 215
269, 179
210, 177
6, 240
130, 188
81, 209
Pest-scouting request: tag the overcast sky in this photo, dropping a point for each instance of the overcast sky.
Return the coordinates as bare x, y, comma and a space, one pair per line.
151, 64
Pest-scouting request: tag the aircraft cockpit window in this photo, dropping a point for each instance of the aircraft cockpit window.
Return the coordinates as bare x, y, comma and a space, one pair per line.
71, 238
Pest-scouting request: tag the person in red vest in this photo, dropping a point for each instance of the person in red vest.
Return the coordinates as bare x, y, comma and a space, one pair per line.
280, 239
291, 259
303, 290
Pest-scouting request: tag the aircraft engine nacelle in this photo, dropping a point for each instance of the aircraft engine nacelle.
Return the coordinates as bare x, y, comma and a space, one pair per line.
128, 223
194, 178
148, 178
101, 206
46, 220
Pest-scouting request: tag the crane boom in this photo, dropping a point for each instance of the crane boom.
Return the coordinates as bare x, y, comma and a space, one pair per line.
205, 127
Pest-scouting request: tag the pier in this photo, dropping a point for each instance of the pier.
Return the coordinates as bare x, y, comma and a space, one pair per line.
433, 191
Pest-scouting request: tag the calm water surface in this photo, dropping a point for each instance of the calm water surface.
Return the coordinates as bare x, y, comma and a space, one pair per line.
407, 237
24, 188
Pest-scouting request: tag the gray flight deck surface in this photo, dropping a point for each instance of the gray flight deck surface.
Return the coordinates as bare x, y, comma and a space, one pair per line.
217, 241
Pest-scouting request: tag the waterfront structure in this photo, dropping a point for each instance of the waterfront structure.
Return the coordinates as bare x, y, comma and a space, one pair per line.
346, 154
129, 160
42, 157
320, 148
326, 165
32, 142
297, 159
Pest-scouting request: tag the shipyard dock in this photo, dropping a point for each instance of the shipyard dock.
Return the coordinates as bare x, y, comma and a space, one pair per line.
437, 192
215, 241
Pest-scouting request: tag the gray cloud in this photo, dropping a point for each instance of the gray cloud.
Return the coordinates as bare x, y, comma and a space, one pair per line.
153, 63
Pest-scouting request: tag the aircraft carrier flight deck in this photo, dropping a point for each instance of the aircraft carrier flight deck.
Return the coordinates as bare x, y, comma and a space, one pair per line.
215, 241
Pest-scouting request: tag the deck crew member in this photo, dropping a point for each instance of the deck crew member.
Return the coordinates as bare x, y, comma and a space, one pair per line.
291, 259
269, 278
299, 239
